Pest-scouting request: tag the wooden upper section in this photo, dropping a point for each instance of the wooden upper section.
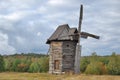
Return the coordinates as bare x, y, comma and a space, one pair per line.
63, 33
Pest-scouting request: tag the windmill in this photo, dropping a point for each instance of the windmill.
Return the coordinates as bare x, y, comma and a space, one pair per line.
78, 46
65, 49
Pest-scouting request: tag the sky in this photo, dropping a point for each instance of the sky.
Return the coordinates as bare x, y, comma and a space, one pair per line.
25, 25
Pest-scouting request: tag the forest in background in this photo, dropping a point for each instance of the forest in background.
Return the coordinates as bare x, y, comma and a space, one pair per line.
33, 63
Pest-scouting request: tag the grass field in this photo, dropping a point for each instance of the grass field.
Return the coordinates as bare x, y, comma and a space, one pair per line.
46, 76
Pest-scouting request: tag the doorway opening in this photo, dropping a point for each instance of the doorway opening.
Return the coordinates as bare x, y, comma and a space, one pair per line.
56, 65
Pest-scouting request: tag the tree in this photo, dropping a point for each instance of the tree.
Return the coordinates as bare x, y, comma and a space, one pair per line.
94, 54
94, 57
113, 54
1, 63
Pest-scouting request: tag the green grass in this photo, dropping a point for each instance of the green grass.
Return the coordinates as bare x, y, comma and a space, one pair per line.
46, 76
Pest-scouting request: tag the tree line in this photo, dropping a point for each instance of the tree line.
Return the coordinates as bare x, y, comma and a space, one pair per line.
32, 62
100, 65
24, 63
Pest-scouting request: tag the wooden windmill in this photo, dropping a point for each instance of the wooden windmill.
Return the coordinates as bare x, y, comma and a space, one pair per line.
65, 49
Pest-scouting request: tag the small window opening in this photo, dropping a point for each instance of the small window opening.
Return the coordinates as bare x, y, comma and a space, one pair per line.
67, 45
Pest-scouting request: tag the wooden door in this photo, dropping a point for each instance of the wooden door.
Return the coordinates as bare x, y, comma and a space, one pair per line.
56, 65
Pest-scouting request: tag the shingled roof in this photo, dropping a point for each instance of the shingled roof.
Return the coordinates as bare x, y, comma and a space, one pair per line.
63, 32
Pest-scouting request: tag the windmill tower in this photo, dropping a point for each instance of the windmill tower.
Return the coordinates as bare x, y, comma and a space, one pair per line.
78, 47
65, 49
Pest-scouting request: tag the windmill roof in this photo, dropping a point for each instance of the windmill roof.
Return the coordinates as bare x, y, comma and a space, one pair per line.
63, 32
72, 31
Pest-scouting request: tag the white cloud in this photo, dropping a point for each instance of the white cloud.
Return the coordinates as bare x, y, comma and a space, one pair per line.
17, 15
5, 48
56, 2
13, 16
13, 5
41, 9
39, 33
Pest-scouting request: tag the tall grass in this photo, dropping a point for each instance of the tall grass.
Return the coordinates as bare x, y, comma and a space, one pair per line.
46, 76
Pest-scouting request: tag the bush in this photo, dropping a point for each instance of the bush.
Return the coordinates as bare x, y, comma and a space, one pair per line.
8, 64
114, 65
95, 68
104, 60
83, 64
15, 64
44, 63
34, 67
22, 67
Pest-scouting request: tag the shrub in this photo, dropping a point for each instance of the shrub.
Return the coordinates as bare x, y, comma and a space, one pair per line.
44, 63
95, 68
8, 64
104, 60
34, 67
113, 66
15, 64
22, 67
83, 64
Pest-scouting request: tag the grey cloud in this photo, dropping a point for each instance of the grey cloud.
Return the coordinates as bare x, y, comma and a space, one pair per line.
40, 16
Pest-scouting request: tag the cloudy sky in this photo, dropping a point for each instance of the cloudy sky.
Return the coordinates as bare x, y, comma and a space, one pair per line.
25, 25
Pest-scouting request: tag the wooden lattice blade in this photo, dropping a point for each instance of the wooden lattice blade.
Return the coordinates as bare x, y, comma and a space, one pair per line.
86, 35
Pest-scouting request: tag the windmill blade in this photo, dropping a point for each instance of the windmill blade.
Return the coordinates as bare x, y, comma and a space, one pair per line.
85, 35
81, 12
80, 18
